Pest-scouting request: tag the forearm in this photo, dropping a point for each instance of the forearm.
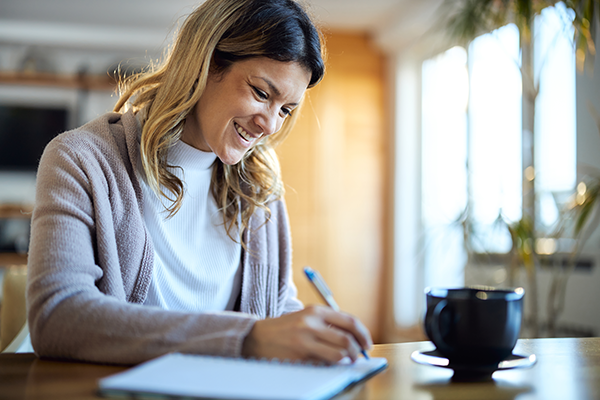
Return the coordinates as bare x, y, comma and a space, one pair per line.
102, 329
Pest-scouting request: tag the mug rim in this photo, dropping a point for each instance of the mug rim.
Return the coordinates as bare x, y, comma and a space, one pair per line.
509, 294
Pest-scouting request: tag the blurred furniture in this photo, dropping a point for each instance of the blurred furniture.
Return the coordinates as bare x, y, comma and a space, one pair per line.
13, 314
77, 81
8, 210
12, 259
14, 211
566, 369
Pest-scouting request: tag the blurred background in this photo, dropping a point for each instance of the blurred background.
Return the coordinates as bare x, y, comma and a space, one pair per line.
447, 146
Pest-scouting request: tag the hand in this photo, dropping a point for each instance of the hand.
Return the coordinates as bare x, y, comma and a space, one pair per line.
316, 333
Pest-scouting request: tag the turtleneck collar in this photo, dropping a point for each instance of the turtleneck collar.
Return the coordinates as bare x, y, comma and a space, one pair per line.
189, 158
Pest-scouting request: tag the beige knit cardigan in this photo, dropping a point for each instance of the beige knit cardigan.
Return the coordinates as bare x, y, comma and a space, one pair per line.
91, 259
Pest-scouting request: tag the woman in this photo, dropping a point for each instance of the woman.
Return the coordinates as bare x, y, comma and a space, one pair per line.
161, 227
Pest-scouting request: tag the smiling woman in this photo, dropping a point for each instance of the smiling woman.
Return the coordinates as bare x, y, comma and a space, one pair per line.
245, 104
161, 227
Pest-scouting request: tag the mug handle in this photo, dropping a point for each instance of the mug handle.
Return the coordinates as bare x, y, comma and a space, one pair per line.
435, 328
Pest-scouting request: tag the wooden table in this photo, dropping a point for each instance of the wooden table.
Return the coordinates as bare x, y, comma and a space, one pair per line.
566, 369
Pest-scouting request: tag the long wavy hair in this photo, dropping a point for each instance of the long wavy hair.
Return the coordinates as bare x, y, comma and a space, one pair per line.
216, 35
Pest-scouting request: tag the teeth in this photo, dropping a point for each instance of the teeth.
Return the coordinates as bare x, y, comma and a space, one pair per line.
243, 133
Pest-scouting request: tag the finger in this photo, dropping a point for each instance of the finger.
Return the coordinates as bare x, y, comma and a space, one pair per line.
351, 325
319, 330
339, 339
324, 352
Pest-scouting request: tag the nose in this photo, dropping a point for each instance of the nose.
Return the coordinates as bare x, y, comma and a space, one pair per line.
269, 122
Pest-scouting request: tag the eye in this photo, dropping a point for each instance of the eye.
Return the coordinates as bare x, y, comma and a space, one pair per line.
259, 93
286, 111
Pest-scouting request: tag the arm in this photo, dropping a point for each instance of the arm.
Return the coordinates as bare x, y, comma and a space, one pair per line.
268, 289
77, 294
288, 294
316, 333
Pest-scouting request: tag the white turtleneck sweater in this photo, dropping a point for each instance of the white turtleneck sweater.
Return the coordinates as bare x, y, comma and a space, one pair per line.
196, 265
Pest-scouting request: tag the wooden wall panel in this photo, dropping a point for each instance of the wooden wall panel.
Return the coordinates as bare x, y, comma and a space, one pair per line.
333, 165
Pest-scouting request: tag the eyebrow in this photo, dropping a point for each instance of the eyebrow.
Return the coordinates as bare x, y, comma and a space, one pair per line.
274, 89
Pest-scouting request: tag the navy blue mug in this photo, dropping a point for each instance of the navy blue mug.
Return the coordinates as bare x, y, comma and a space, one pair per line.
474, 325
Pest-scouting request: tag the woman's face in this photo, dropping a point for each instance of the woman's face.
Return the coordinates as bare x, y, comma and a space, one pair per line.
245, 104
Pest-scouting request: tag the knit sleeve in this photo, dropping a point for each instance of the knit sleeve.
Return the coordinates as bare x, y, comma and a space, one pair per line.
288, 293
78, 304
268, 289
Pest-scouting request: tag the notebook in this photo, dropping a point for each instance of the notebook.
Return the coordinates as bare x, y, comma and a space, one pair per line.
195, 376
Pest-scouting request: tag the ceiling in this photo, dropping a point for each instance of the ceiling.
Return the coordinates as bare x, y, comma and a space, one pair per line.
393, 24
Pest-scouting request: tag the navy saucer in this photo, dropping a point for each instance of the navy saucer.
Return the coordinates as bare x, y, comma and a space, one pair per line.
472, 372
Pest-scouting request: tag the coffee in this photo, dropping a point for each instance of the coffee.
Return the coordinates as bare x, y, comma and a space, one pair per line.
474, 325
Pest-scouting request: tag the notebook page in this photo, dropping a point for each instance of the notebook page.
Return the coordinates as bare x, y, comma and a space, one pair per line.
231, 378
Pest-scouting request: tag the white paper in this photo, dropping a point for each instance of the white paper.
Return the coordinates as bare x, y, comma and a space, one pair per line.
233, 378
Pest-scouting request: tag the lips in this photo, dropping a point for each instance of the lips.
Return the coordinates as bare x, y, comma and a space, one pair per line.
244, 134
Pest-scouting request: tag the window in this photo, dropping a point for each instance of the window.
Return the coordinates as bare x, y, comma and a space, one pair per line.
472, 142
495, 140
555, 122
445, 95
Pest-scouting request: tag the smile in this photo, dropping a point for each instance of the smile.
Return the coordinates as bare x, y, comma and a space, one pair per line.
245, 135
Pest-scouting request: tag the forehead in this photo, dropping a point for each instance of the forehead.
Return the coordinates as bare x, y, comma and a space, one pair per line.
288, 78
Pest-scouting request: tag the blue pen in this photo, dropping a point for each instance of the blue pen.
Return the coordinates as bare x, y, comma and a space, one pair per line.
315, 278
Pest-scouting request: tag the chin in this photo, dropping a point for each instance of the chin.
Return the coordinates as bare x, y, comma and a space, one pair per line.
231, 159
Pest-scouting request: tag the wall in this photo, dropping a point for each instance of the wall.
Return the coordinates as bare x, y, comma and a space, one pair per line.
334, 165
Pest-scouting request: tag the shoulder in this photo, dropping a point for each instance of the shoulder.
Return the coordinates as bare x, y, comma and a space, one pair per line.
102, 131
105, 137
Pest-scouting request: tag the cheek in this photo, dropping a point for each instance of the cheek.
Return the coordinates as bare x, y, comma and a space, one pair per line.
281, 122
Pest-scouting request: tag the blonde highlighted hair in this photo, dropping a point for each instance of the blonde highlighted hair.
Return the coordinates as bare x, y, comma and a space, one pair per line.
216, 35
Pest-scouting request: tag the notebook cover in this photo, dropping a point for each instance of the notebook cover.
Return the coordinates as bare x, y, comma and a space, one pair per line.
196, 376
